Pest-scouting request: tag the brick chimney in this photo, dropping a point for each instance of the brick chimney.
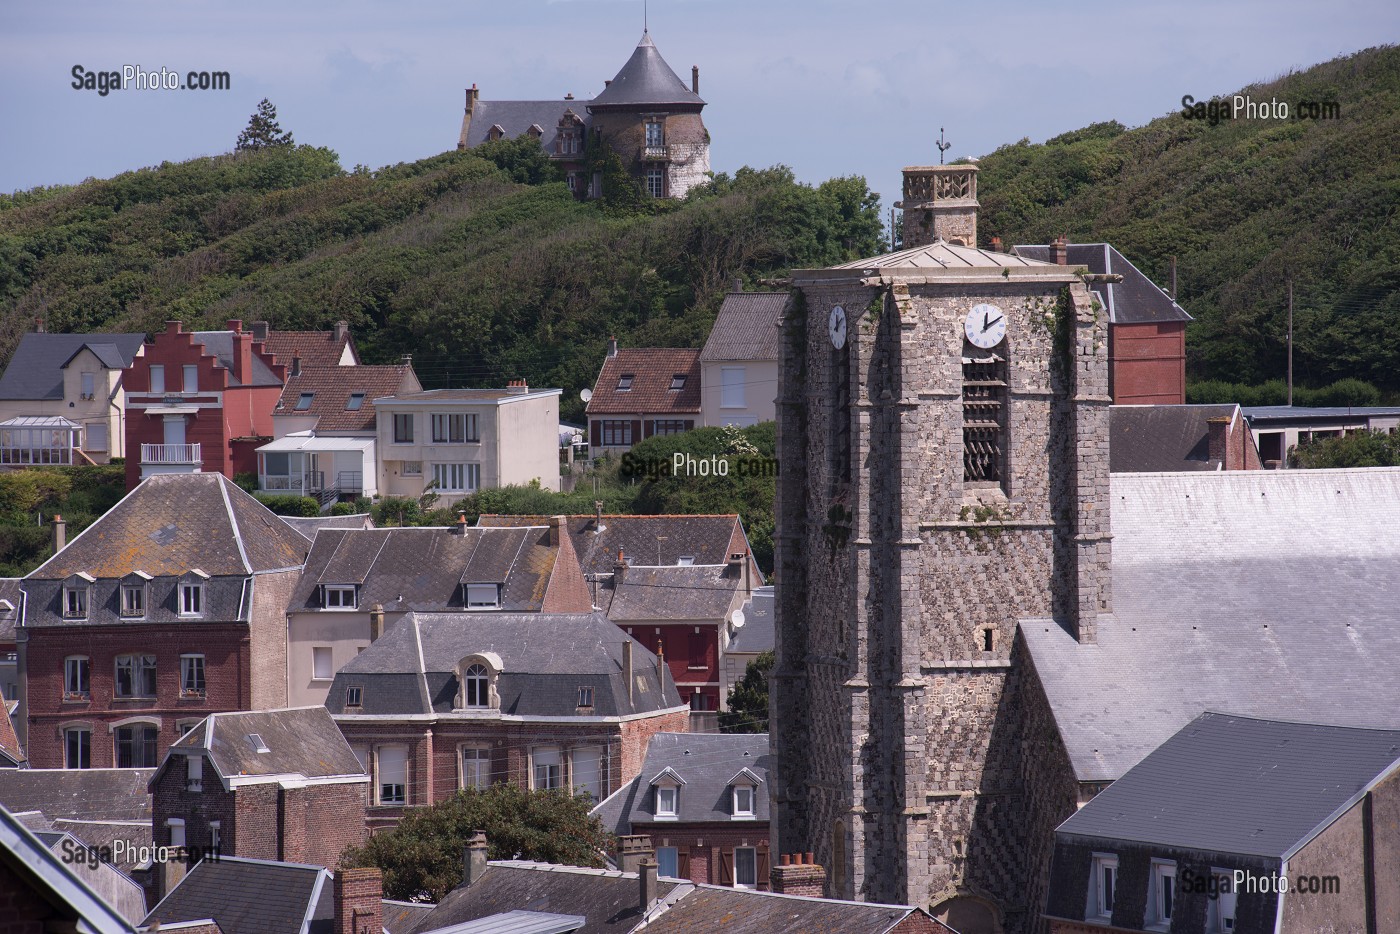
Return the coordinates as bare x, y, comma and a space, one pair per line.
296, 364
461, 527
235, 325
242, 352
798, 874
261, 329
996, 244
517, 387
556, 530
60, 533
631, 850
474, 860
173, 327
473, 95
619, 568
1219, 429
359, 901
695, 79
649, 888
1059, 251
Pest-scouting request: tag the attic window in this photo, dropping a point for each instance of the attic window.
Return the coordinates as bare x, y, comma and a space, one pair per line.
258, 743
356, 400
353, 695
677, 382
585, 696
624, 382
338, 597
743, 801
304, 402
483, 596
686, 561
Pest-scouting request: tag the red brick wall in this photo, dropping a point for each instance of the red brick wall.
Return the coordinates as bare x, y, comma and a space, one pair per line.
675, 645
636, 734
22, 910
320, 821
359, 905
256, 823
1147, 363
567, 591
171, 798
226, 663
1241, 451
702, 841
920, 922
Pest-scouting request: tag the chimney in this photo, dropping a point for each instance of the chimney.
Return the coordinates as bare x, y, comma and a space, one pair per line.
39, 325
695, 79
606, 82
661, 664
472, 96
556, 530
461, 528
612, 346
261, 329
996, 244
1059, 251
517, 387
171, 872
235, 325
406, 360
296, 364
1218, 427
1173, 278
242, 352
376, 621
359, 901
646, 882
619, 568
569, 96
474, 861
341, 331
736, 284
173, 327
60, 533
631, 850
798, 874
627, 667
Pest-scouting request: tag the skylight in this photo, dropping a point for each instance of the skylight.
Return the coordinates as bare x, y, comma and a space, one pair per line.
624, 382
258, 743
304, 402
678, 381
356, 400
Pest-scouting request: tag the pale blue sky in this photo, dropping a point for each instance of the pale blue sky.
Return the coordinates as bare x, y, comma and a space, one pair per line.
830, 88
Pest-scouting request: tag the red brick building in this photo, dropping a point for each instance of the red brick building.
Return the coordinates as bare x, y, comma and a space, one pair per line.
170, 607
199, 400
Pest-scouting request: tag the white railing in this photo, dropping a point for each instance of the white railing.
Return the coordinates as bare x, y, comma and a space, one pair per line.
170, 454
655, 152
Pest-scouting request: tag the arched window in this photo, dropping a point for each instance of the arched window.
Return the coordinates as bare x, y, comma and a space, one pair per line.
476, 687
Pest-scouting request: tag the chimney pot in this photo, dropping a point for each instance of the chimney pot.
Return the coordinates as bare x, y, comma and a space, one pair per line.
785, 860
474, 862
60, 533
996, 244
406, 359
695, 79
235, 325
461, 522
808, 859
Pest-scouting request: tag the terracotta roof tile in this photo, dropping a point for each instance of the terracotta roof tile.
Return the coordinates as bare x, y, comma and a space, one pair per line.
315, 348
652, 371
331, 388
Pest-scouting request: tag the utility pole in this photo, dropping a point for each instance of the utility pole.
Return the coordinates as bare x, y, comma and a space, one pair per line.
1290, 342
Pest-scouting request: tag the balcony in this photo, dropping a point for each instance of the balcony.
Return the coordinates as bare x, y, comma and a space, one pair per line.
170, 454
660, 153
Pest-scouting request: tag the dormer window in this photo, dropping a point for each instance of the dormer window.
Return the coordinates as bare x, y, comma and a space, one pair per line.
624, 382
304, 401
677, 382
76, 590
743, 794
478, 677
191, 594
666, 794
133, 594
476, 688
482, 596
496, 132
743, 801
339, 596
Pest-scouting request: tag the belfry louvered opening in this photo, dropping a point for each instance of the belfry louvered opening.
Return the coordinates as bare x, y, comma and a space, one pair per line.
984, 418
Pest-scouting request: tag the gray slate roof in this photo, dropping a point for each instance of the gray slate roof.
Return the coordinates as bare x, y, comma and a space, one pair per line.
518, 922
220, 345
1245, 592
308, 526
758, 634
108, 880
746, 328
1298, 413
676, 592
516, 117
1229, 784
706, 762
1135, 300
79, 794
35, 370
302, 742
10, 590
735, 911
252, 896
663, 539
1159, 438
41, 874
545, 658
647, 80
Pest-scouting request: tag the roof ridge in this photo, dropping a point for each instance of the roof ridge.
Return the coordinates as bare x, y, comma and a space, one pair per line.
233, 522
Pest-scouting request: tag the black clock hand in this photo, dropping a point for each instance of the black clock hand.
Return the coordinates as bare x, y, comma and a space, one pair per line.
985, 316
990, 323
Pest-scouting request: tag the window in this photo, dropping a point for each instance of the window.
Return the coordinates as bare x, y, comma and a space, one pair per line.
449, 428
392, 764
624, 382
412, 468
77, 748
192, 599
76, 680
75, 601
136, 676
585, 696
338, 597
403, 428
685, 561
656, 137
1163, 888
304, 401
743, 801
1101, 883
656, 183
697, 651
256, 741
483, 596
589, 772
191, 377
321, 669
1220, 911
355, 402
133, 600
457, 478
157, 378
546, 769
194, 773
177, 831
668, 426
745, 867
698, 701
668, 862
617, 432
136, 746
476, 767
666, 800
353, 695
677, 382
216, 837
89, 386
191, 675
476, 687
984, 419
731, 387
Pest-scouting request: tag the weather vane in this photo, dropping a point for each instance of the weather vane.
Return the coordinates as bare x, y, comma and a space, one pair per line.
942, 146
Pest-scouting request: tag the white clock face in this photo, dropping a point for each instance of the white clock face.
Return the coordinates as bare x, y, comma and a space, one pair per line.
985, 326
836, 327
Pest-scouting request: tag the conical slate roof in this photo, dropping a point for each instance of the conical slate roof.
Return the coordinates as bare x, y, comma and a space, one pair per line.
646, 79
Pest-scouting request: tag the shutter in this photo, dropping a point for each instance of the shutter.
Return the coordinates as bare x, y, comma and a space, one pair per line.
689, 424
726, 867
636, 432
683, 862
763, 871
648, 428
595, 434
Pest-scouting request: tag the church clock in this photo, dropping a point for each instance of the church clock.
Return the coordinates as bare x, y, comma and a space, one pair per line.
985, 326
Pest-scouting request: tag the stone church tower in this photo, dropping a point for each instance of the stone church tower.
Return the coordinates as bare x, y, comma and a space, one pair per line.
942, 430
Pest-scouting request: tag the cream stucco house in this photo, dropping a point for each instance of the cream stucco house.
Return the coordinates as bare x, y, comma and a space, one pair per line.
739, 365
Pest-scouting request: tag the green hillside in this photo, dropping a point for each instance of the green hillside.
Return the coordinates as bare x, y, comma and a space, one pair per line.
481, 265
1242, 205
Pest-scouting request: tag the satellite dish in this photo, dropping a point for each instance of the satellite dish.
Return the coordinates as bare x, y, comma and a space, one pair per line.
585, 394
738, 618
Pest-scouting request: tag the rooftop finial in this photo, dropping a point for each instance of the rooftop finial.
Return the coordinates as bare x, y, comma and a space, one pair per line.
644, 17
942, 146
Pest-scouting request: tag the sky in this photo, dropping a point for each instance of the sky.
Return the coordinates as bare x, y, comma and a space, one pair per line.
828, 87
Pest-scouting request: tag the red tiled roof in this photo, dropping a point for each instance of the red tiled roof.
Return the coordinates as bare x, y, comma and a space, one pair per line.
331, 388
652, 370
315, 348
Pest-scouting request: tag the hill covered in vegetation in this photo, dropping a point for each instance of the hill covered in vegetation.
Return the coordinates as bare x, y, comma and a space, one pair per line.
1244, 205
481, 264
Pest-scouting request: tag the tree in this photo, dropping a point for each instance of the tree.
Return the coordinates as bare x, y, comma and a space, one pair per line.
1362, 449
748, 702
262, 130
421, 858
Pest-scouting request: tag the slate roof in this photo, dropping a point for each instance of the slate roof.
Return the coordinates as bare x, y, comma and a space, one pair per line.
10, 590
545, 658
1298, 413
678, 592
665, 539
174, 522
1246, 592
252, 896
303, 743
1230, 784
482, 396
308, 526
10, 753
647, 80
315, 348
758, 634
518, 922
424, 568
516, 117
331, 388
220, 345
109, 880
35, 371
941, 255
651, 369
706, 762
736, 911
105, 833
1158, 438
1135, 300
746, 328
79, 794
402, 917
608, 900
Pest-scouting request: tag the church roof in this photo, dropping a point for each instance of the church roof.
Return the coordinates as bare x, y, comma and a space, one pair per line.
941, 255
646, 79
1134, 300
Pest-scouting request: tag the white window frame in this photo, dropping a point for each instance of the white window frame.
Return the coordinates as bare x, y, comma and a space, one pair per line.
1099, 908
448, 427
88, 384
1161, 901
744, 789
379, 777
474, 766
191, 599
194, 773
137, 663
598, 788
193, 669
476, 687
481, 596
319, 653
731, 390
456, 477
75, 602
157, 378
550, 759
656, 182
339, 597
1220, 911
411, 468
77, 677
668, 801
84, 762
176, 826
216, 836
133, 597
753, 867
